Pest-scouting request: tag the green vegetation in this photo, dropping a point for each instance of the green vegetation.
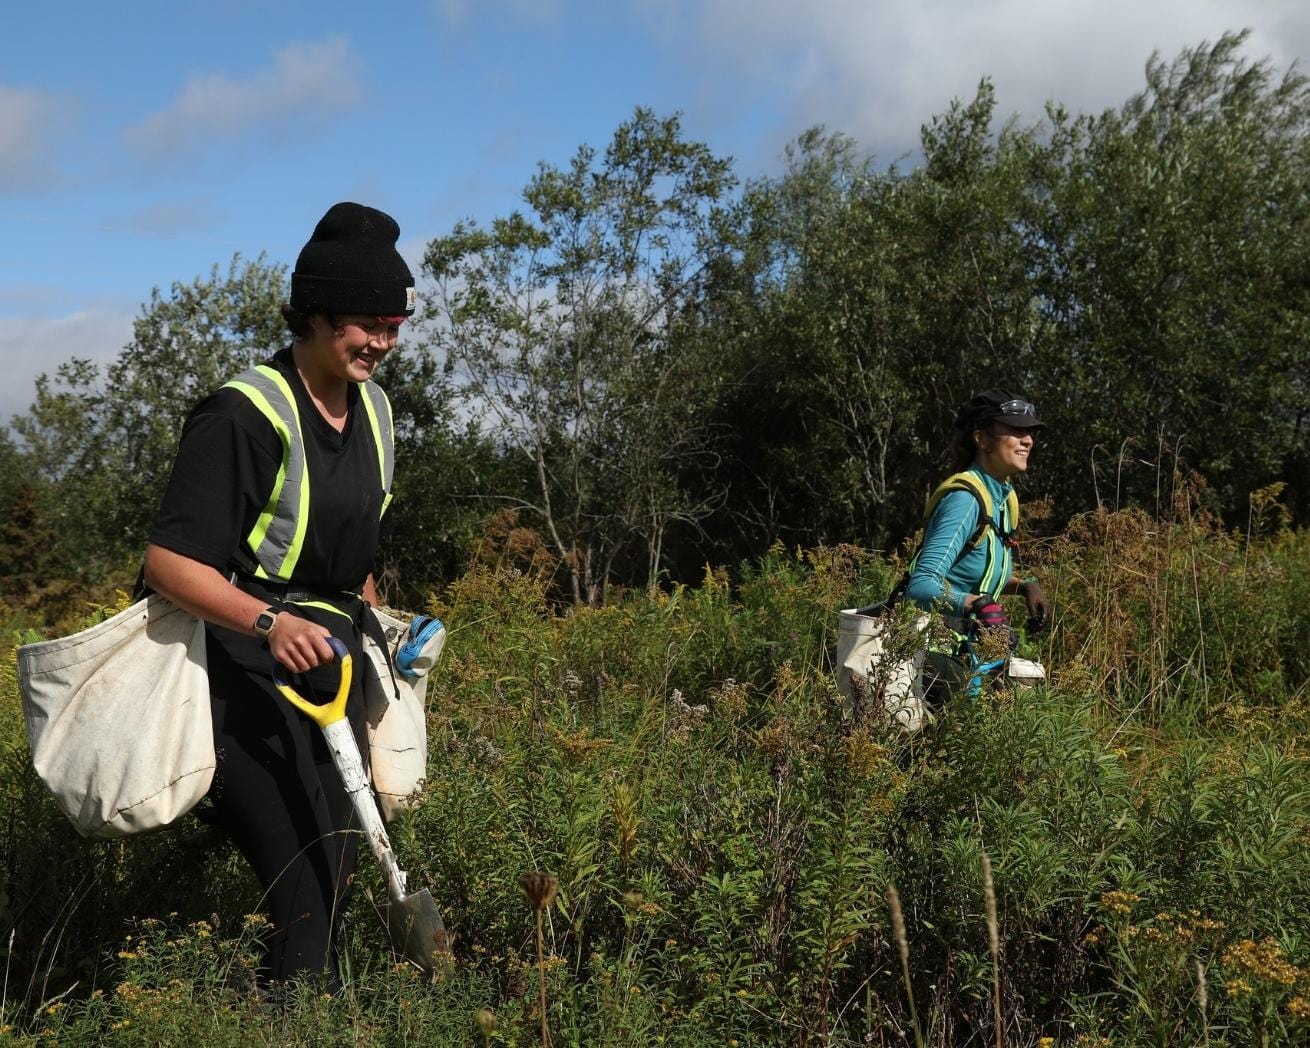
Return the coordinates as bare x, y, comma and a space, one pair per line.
654, 370
724, 838
659, 363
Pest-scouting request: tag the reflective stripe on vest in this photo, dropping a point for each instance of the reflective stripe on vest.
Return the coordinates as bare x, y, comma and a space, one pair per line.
278, 537
378, 409
1000, 558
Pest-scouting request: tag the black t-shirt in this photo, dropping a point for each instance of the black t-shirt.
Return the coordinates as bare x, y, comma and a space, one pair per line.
225, 469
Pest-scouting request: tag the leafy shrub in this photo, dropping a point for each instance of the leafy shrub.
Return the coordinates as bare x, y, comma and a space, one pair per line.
724, 835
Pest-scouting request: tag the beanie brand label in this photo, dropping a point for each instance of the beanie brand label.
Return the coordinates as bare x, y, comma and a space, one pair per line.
411, 299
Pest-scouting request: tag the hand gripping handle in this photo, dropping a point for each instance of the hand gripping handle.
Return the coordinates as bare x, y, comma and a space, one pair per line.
328, 712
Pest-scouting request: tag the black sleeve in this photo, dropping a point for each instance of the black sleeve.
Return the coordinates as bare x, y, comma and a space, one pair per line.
225, 469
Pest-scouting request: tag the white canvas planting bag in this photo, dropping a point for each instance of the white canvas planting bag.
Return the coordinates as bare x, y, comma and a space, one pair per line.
397, 727
864, 661
118, 719
1024, 673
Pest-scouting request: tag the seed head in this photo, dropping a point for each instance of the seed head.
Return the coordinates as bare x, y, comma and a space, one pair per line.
540, 888
898, 923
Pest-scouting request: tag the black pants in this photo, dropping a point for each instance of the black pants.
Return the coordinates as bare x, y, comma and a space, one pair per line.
280, 797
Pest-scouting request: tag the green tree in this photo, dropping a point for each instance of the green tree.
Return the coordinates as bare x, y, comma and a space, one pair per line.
1170, 259
872, 301
105, 438
571, 331
446, 471
663, 373
1141, 274
25, 537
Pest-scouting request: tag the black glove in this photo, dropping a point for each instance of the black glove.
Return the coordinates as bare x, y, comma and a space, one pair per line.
1039, 605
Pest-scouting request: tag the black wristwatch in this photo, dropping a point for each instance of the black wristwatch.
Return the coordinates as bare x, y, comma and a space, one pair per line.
264, 622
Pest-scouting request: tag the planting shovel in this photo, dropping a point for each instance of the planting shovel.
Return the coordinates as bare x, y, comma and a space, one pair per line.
414, 921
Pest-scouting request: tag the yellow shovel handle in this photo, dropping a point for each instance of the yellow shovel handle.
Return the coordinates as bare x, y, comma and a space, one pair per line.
328, 712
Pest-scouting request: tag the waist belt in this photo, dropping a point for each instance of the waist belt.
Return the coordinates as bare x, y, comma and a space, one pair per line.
346, 603
333, 597
290, 592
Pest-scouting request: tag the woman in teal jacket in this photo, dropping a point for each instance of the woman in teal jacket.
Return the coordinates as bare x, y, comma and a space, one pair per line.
966, 561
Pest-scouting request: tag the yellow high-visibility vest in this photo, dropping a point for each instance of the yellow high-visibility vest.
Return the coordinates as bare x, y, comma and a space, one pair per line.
278, 537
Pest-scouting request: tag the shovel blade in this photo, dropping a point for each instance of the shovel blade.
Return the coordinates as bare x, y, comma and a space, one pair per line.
417, 929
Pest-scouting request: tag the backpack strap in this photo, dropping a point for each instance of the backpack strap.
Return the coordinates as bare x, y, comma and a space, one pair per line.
1012, 515
973, 484
999, 553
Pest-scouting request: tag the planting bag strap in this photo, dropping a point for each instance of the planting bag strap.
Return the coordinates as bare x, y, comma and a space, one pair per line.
894, 598
372, 625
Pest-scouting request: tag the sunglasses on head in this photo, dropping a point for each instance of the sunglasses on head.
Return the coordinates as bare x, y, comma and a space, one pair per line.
1018, 407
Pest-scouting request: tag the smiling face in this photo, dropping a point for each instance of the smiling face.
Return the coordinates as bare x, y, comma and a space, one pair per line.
1003, 450
351, 347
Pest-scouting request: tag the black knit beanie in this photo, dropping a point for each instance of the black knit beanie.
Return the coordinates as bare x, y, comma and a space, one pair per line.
351, 265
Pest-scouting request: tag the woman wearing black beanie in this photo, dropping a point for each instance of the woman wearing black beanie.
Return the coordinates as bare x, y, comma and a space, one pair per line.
268, 531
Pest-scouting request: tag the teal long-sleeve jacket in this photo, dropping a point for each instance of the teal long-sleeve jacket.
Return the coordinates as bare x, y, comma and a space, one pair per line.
944, 572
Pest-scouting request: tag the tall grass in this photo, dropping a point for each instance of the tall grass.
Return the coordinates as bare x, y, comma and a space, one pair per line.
724, 837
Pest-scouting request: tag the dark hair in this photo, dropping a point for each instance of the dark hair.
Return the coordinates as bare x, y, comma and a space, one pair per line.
962, 452
298, 323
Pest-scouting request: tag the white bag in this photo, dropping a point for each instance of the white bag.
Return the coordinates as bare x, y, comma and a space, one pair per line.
1024, 673
397, 729
118, 719
861, 640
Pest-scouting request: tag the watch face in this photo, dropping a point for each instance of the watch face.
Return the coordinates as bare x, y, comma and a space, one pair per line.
264, 623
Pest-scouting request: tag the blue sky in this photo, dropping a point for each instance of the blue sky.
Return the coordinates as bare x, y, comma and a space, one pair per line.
141, 148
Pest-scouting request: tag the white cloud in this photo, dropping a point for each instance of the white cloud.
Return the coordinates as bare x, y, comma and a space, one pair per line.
26, 120
453, 12
879, 69
174, 217
412, 249
456, 13
40, 344
32, 298
304, 84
